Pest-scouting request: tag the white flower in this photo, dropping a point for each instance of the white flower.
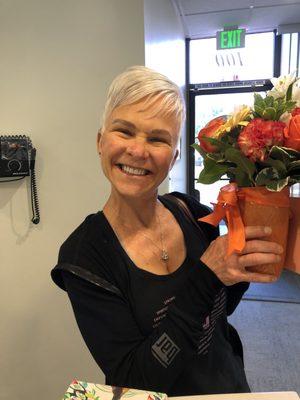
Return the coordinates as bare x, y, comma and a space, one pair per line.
296, 93
281, 85
285, 117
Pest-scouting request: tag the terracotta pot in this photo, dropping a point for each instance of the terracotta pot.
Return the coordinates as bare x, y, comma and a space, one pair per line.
292, 259
274, 214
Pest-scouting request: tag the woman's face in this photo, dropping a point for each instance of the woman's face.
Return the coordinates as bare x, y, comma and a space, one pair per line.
138, 150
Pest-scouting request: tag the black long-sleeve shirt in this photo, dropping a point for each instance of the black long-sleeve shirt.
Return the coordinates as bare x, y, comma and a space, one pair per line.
167, 333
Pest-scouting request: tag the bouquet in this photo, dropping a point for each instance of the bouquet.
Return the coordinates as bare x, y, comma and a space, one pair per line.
258, 148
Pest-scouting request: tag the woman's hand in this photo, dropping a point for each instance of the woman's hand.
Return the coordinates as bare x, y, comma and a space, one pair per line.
233, 269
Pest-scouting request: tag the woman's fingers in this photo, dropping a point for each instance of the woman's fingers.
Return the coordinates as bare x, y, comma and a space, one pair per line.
258, 250
255, 232
251, 259
262, 246
257, 277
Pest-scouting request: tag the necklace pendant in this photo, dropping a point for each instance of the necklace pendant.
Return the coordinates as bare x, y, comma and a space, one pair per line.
164, 255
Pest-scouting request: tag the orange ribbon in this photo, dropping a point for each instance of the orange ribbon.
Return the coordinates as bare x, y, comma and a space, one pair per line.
227, 207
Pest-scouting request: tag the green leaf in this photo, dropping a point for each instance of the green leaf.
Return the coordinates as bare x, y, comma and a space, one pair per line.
269, 113
218, 157
289, 92
292, 152
294, 167
197, 147
276, 164
289, 105
283, 154
241, 161
258, 100
211, 172
269, 178
294, 179
259, 110
266, 176
277, 186
239, 176
76, 386
269, 101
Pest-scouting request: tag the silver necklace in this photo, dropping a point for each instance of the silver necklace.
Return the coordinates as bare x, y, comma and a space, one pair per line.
164, 253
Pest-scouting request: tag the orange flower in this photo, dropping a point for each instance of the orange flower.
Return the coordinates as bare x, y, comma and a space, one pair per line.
211, 131
260, 135
292, 131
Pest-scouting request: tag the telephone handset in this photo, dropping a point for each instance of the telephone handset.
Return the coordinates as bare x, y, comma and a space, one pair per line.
17, 160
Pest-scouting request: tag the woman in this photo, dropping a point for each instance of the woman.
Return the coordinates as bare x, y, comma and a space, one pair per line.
150, 290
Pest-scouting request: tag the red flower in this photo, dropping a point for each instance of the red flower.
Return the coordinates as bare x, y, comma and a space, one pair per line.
209, 131
258, 136
296, 111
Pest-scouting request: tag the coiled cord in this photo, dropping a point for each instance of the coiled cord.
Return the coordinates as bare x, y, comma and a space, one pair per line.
34, 196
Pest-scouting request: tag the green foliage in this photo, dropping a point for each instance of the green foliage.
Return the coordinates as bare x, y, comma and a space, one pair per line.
198, 148
241, 161
289, 92
270, 108
212, 171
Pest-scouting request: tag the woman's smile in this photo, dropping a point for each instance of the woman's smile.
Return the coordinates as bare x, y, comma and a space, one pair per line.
128, 170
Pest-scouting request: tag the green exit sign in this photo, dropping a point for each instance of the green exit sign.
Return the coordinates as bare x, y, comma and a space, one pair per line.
231, 39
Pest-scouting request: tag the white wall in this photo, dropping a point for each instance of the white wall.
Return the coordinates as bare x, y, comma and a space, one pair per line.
57, 59
165, 52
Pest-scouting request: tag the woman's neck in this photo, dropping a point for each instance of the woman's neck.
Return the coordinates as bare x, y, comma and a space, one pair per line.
134, 212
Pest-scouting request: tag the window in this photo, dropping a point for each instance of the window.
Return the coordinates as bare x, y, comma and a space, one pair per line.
255, 61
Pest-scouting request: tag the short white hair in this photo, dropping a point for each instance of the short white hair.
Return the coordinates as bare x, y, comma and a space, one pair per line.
139, 82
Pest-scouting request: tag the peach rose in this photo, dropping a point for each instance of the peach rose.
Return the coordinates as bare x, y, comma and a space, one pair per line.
292, 131
209, 131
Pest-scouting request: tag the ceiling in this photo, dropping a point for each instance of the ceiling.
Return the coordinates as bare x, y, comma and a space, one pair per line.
203, 18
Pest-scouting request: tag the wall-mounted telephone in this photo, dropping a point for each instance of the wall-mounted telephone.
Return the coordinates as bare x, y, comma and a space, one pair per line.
17, 160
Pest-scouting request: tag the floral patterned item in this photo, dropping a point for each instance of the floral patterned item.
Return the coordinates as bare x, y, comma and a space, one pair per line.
80, 390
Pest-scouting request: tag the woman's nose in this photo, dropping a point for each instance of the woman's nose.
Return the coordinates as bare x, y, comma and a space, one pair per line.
137, 148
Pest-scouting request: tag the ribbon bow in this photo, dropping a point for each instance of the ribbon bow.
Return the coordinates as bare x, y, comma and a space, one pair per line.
227, 207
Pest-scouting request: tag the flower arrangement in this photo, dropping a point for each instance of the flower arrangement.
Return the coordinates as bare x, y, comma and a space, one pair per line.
259, 145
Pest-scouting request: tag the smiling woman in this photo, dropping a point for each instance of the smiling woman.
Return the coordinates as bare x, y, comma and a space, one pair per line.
151, 290
137, 149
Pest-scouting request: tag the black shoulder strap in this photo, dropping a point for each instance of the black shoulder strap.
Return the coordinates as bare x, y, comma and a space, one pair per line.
183, 206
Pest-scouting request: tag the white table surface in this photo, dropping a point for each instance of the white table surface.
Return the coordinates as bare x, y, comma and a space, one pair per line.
243, 396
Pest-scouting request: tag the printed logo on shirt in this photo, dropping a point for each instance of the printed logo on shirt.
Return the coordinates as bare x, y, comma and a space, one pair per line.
206, 323
165, 350
161, 314
211, 321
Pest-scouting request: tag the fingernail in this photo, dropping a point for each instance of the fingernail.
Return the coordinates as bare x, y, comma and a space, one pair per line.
280, 249
268, 229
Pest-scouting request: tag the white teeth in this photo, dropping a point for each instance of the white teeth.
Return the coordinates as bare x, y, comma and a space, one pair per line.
133, 171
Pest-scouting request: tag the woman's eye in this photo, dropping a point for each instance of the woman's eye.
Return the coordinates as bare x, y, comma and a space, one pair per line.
124, 132
157, 140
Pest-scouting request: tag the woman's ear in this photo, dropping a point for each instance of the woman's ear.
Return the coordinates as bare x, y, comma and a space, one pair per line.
99, 141
174, 159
